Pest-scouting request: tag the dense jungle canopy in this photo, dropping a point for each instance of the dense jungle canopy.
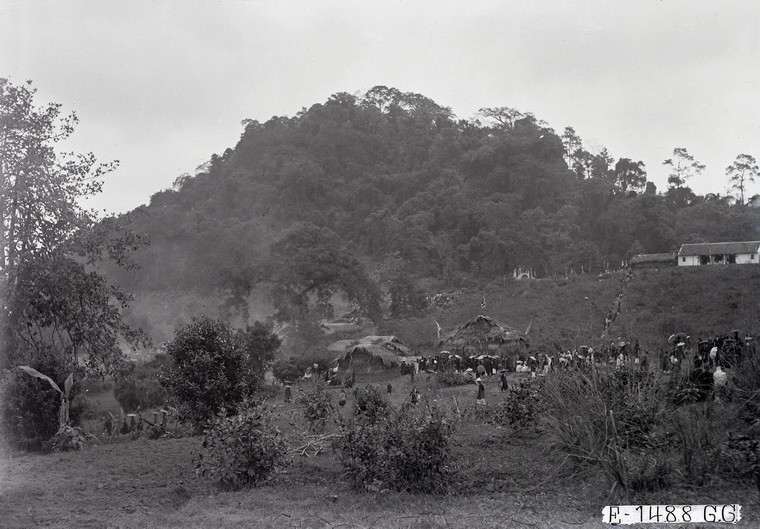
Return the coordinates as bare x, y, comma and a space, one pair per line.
390, 188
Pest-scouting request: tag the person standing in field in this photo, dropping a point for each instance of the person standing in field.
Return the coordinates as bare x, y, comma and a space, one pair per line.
481, 399
503, 381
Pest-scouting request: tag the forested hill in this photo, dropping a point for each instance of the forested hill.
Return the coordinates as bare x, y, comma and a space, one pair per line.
396, 182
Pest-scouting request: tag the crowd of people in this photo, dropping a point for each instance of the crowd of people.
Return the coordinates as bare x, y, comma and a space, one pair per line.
721, 351
702, 361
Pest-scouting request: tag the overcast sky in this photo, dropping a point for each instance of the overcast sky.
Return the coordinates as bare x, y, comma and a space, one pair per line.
162, 85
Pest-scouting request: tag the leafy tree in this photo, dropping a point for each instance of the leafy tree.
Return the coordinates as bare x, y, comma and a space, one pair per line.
392, 173
583, 164
505, 117
405, 296
683, 166
573, 146
49, 244
310, 259
601, 165
260, 345
208, 371
630, 175
744, 170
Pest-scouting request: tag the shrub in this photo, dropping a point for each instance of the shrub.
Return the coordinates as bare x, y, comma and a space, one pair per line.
609, 421
746, 382
405, 450
259, 347
741, 454
317, 406
140, 393
523, 404
29, 406
370, 404
207, 373
453, 379
267, 392
241, 451
138, 385
294, 368
287, 370
699, 430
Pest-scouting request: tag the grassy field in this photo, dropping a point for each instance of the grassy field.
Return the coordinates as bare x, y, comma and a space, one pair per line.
501, 478
700, 301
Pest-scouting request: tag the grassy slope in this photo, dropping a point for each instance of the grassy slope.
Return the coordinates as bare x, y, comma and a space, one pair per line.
699, 301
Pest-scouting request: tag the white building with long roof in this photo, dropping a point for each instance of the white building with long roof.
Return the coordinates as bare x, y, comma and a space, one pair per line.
707, 253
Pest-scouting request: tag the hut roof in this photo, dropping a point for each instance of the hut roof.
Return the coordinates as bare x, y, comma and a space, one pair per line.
388, 349
482, 329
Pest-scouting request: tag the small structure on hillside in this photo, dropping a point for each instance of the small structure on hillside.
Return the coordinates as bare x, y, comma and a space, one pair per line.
744, 252
483, 335
653, 260
523, 273
371, 353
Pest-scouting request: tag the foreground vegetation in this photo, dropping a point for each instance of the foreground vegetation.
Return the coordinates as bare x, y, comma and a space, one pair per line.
499, 474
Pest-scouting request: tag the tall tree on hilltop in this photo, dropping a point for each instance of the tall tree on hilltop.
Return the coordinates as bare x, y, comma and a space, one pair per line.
583, 164
601, 165
743, 171
683, 166
53, 302
505, 117
630, 175
573, 145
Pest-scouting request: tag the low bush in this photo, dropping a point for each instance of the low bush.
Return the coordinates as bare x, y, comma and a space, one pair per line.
241, 451
266, 392
523, 404
370, 405
317, 406
741, 457
287, 370
138, 385
746, 388
610, 421
699, 430
293, 368
453, 379
29, 406
402, 450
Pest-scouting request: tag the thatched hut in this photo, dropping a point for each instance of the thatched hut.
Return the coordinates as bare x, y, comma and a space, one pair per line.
371, 353
483, 335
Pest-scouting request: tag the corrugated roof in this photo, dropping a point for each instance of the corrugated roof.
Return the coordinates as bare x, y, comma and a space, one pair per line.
653, 258
716, 248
